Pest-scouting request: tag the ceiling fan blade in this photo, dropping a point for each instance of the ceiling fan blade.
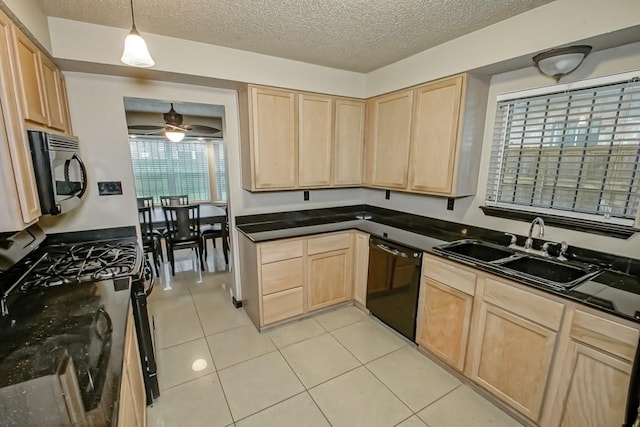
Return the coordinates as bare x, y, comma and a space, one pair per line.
202, 129
145, 128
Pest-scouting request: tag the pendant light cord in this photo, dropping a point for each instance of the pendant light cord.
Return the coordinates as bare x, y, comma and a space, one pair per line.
133, 19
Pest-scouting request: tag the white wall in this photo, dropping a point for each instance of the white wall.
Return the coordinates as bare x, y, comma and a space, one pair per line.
611, 61
557, 23
79, 41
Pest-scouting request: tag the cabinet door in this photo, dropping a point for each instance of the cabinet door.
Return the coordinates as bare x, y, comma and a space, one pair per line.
274, 142
435, 136
361, 269
21, 206
388, 139
53, 95
126, 409
443, 321
512, 358
315, 127
349, 142
593, 390
65, 104
134, 374
329, 278
29, 78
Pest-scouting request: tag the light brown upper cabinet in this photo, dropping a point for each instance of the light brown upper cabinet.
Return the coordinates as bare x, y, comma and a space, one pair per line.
21, 206
388, 139
287, 140
315, 129
41, 92
435, 134
30, 82
446, 143
54, 95
269, 140
348, 142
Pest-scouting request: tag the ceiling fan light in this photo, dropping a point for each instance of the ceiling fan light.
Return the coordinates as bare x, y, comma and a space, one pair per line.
174, 135
562, 61
136, 52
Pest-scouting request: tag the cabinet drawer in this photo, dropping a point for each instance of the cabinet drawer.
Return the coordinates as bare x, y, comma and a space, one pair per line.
281, 250
334, 242
282, 305
450, 275
282, 275
604, 334
530, 306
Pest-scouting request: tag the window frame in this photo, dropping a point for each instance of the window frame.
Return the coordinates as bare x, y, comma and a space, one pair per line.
567, 219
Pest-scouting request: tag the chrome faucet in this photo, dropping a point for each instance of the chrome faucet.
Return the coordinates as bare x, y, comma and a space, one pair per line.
529, 242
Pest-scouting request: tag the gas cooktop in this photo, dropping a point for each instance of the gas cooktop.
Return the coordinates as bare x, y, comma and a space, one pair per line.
80, 263
65, 264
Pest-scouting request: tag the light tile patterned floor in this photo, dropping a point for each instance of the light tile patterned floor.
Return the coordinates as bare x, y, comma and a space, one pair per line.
338, 368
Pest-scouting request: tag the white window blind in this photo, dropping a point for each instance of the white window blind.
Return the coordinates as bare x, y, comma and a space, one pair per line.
220, 165
575, 152
162, 168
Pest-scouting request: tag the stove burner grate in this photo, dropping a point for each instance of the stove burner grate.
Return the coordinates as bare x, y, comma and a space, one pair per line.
82, 263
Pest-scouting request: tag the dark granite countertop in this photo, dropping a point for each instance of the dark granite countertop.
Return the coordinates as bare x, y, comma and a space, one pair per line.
84, 323
616, 290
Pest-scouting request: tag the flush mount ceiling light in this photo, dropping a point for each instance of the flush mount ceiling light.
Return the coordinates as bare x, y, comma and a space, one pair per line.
561, 61
136, 52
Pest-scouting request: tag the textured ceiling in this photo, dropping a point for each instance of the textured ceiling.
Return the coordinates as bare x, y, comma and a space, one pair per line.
357, 35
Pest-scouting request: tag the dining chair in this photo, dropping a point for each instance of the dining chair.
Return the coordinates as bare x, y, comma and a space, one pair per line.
146, 202
183, 231
179, 200
215, 231
150, 240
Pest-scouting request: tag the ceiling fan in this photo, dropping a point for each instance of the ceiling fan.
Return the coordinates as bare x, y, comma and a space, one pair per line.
173, 128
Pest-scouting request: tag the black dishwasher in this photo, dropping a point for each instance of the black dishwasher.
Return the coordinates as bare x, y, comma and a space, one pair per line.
393, 285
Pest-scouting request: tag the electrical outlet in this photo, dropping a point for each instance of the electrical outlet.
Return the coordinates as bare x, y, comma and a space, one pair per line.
387, 194
306, 196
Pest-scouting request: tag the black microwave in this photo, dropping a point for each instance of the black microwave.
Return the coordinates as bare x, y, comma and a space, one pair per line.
61, 177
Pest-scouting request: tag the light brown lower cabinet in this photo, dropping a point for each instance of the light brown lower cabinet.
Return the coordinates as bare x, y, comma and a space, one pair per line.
132, 410
593, 376
443, 321
513, 341
329, 278
286, 278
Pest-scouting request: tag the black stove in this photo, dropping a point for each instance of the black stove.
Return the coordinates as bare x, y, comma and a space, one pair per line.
68, 264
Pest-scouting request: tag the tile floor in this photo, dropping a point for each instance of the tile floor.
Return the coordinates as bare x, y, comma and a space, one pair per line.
338, 368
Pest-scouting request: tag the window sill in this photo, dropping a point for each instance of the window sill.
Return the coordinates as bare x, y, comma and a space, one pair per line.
594, 227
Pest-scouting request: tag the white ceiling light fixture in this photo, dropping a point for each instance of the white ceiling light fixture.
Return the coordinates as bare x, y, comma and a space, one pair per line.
135, 51
174, 135
561, 61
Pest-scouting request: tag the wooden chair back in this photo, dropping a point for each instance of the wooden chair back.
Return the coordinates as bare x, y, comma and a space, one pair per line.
179, 200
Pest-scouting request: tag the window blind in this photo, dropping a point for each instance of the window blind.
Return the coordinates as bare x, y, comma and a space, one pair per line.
575, 152
163, 168
220, 164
